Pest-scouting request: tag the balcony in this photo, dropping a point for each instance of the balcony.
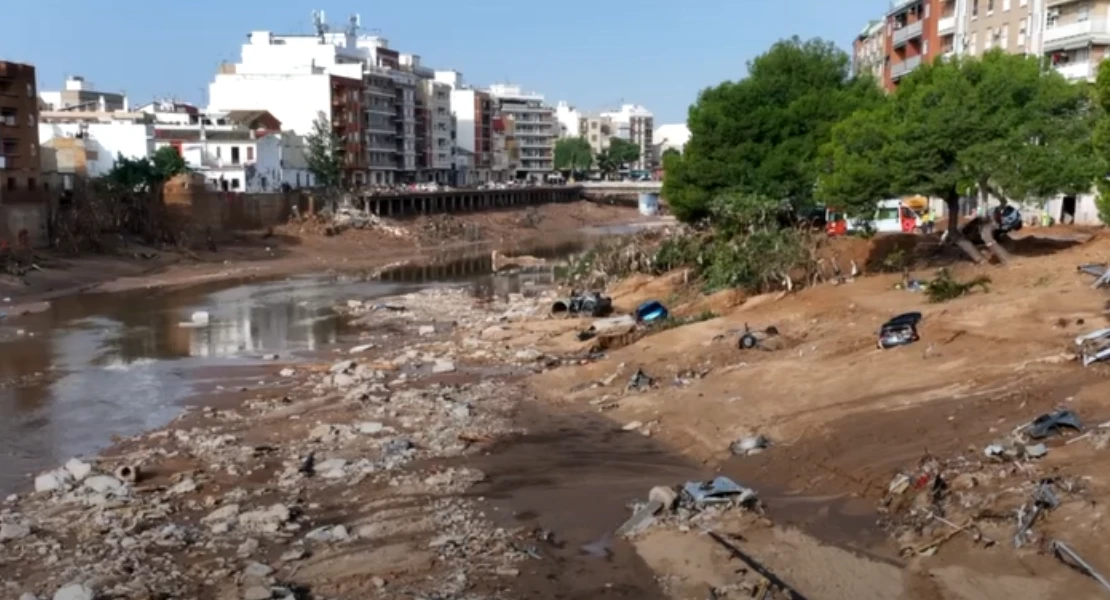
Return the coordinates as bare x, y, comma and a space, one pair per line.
907, 33
900, 70
1076, 71
1075, 35
946, 25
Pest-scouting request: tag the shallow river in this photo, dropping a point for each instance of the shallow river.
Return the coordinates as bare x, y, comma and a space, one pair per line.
102, 365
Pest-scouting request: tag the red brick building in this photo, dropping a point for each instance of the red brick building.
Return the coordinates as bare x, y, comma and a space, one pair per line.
348, 121
912, 37
20, 170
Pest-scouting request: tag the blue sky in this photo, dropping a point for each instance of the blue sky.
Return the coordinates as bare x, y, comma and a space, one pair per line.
593, 53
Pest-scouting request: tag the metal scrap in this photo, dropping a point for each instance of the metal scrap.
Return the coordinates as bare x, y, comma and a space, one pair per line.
1048, 424
1043, 500
1094, 346
1070, 558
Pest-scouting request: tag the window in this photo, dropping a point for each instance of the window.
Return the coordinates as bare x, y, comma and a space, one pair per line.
11, 184
926, 10
1005, 35
1006, 5
1052, 17
31, 183
250, 153
974, 8
1021, 32
974, 42
30, 91
218, 152
988, 43
990, 7
235, 155
30, 120
1023, 3
925, 48
1084, 12
234, 183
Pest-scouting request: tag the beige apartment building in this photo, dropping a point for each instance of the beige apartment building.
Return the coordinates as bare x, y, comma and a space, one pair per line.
1007, 25
598, 131
1076, 36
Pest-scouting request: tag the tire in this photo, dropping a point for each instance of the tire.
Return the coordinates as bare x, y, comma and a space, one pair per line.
748, 341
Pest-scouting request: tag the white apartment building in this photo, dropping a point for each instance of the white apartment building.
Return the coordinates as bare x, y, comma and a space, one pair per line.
435, 152
79, 94
88, 148
1076, 36
477, 159
531, 129
568, 118
636, 124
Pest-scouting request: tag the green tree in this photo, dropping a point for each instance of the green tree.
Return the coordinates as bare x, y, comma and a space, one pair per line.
760, 136
623, 151
1101, 138
145, 174
607, 163
573, 154
1001, 125
322, 153
668, 153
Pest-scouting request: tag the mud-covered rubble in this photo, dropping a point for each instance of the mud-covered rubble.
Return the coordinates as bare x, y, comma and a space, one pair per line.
234, 503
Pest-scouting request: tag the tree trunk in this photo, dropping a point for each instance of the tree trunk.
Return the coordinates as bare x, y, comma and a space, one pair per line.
952, 202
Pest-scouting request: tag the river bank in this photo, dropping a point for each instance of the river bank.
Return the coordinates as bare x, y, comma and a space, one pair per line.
301, 247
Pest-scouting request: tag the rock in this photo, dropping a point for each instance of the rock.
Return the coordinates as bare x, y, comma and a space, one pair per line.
664, 495
257, 570
78, 469
750, 445
342, 380
495, 333
28, 596
529, 355
427, 330
332, 468
268, 520
443, 366
104, 484
397, 446
293, 554
321, 535
222, 514
248, 547
14, 531
508, 572
270, 357
343, 365
633, 426
354, 304
287, 372
54, 480
184, 486
361, 349
258, 592
339, 533
370, 428
74, 591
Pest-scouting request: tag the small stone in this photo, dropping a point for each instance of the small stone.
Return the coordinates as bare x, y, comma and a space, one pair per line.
378, 582
663, 495
361, 349
270, 357
339, 533
332, 468
222, 514
293, 554
342, 380
529, 355
633, 426
427, 330
320, 534
54, 480
268, 520
354, 304
257, 570
443, 366
370, 428
248, 547
28, 596
14, 531
258, 592
78, 469
343, 365
507, 572
104, 484
287, 372
494, 333
184, 486
74, 591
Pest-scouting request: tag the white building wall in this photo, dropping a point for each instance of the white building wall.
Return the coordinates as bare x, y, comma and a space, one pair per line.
462, 106
108, 140
569, 119
294, 99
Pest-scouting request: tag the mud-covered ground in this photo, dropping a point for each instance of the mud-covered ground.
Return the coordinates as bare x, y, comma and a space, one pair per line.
479, 449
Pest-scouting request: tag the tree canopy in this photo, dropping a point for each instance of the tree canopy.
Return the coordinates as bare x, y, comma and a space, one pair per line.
322, 153
1100, 138
761, 135
573, 154
145, 174
623, 151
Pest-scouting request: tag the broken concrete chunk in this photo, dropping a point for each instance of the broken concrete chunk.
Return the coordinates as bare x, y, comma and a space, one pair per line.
184, 486
14, 531
268, 520
54, 480
443, 366
78, 469
750, 445
104, 484
426, 329
257, 570
75, 591
222, 514
258, 592
667, 497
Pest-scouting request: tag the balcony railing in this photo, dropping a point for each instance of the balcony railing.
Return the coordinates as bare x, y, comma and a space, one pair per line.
903, 68
907, 33
1091, 30
946, 25
1076, 71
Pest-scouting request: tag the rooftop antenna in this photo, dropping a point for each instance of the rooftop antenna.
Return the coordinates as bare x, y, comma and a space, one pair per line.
354, 24
318, 23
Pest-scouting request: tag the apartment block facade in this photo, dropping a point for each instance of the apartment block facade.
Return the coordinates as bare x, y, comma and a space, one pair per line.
914, 34
1076, 36
636, 124
20, 164
869, 51
79, 94
531, 130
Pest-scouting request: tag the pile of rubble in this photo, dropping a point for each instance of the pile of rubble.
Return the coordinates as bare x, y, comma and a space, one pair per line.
255, 502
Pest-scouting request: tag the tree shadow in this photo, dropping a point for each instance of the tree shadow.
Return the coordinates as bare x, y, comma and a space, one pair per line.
1033, 245
893, 253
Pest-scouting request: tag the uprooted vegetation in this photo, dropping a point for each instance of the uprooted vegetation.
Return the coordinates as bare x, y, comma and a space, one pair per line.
98, 217
945, 287
742, 246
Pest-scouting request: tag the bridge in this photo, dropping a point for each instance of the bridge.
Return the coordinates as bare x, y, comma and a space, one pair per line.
618, 192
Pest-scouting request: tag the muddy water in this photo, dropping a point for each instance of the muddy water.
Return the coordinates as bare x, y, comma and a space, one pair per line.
102, 365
